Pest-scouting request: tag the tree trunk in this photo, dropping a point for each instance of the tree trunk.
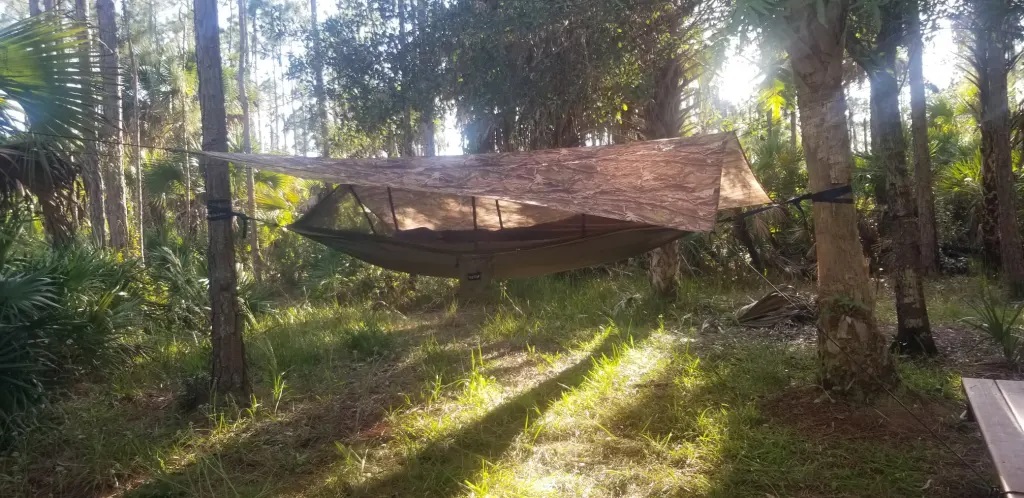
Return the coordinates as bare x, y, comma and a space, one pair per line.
243, 99
33, 8
318, 83
913, 332
136, 134
739, 230
92, 179
191, 226
922, 153
228, 376
990, 197
665, 120
113, 156
995, 151
428, 134
406, 144
792, 127
851, 349
993, 48
57, 217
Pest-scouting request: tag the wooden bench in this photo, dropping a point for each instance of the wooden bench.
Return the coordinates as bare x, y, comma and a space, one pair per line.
998, 407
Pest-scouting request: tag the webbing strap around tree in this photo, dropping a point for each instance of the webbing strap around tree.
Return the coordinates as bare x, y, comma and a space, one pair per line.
835, 195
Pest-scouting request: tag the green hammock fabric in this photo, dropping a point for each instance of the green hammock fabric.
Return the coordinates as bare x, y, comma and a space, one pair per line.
521, 214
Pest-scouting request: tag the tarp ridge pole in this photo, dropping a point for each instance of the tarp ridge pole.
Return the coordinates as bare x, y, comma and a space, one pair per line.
394, 218
362, 207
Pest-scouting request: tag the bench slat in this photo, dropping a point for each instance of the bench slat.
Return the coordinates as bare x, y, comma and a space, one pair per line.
994, 406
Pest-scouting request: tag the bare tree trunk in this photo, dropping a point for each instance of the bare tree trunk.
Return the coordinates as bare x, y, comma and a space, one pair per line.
922, 153
742, 234
228, 376
913, 335
852, 351
33, 8
792, 127
191, 224
116, 204
989, 187
664, 119
404, 76
428, 133
278, 138
318, 82
136, 134
995, 151
992, 65
92, 178
250, 179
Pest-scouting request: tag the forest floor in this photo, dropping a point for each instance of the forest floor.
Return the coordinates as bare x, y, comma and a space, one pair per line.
554, 387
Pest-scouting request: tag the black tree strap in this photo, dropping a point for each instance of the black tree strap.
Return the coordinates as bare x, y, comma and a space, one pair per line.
221, 209
837, 195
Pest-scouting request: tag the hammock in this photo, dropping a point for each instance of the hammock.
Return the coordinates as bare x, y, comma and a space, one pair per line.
484, 216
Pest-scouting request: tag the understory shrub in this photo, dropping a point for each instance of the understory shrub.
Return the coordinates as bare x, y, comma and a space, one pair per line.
62, 315
338, 277
182, 296
999, 320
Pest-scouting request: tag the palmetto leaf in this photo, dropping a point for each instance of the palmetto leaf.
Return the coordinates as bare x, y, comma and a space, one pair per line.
22, 296
44, 86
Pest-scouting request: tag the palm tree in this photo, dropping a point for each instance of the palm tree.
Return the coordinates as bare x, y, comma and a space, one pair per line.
874, 48
994, 26
47, 105
852, 350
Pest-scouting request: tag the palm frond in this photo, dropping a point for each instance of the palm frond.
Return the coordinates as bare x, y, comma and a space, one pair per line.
45, 85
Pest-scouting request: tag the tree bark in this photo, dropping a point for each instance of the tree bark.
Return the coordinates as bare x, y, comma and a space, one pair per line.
33, 8
250, 174
792, 128
428, 133
913, 331
228, 376
992, 50
136, 134
922, 152
113, 156
742, 234
318, 83
852, 351
92, 179
664, 119
404, 76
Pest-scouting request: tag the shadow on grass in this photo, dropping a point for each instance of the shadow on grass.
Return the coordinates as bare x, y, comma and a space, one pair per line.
271, 449
443, 467
728, 424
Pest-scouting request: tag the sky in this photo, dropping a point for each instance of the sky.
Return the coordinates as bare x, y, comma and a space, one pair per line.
739, 77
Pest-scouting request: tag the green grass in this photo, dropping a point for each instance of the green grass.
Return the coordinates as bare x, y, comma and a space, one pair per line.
948, 299
553, 387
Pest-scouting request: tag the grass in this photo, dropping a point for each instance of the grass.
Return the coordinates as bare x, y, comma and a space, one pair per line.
553, 387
